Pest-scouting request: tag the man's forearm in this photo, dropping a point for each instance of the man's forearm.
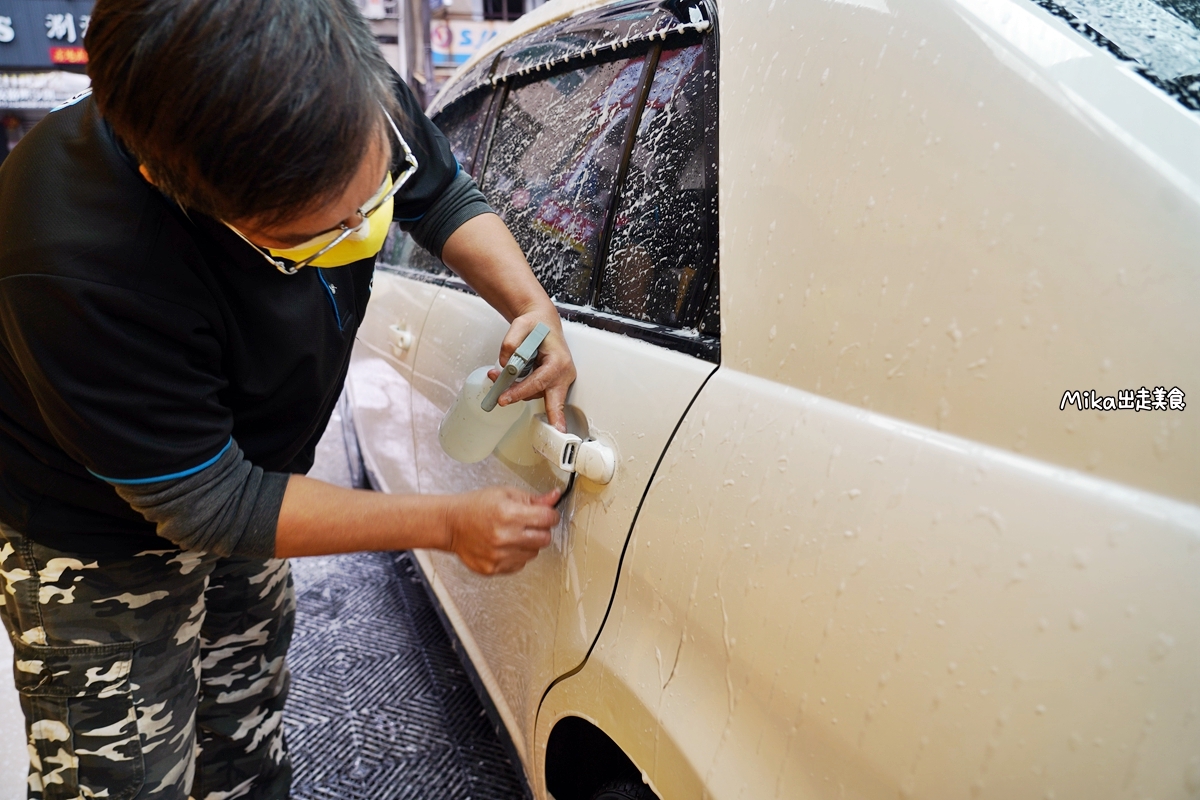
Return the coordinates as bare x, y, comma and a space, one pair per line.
484, 253
318, 518
493, 530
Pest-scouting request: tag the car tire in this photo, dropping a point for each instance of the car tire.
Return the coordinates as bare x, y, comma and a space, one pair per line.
624, 790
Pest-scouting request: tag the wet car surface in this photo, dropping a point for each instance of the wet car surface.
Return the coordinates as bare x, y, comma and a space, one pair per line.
838, 278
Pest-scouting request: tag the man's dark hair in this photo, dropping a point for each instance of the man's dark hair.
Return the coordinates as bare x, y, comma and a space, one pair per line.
238, 109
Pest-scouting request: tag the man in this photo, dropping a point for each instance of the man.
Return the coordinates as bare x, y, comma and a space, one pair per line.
184, 258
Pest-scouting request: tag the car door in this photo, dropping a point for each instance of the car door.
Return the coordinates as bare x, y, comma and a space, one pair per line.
619, 226
889, 552
407, 279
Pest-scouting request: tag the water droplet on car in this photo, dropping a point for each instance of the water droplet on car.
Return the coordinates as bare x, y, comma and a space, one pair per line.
1162, 646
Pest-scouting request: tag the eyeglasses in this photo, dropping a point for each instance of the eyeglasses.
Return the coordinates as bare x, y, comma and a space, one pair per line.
344, 231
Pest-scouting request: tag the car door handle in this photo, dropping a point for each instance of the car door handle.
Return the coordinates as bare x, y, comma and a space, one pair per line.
402, 340
566, 451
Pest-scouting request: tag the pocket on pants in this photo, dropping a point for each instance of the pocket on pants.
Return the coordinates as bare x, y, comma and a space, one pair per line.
83, 727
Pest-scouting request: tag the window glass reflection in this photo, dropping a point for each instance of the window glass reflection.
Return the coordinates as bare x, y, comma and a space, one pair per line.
552, 167
661, 232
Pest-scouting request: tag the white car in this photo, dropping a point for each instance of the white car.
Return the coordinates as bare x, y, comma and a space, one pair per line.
905, 501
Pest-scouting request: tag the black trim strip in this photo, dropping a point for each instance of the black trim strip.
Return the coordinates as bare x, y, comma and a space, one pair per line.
649, 71
1181, 89
625, 548
688, 342
482, 133
618, 49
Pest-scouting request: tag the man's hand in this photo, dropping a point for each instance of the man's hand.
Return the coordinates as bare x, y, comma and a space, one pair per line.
500, 529
555, 371
485, 255
493, 531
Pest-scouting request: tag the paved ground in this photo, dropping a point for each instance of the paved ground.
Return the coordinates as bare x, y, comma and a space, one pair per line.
380, 706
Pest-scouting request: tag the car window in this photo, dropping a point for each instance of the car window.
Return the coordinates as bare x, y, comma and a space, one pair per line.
552, 167
467, 83
461, 123
661, 238
1161, 36
401, 251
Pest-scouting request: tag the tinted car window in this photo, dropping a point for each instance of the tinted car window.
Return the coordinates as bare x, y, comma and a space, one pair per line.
401, 251
1161, 36
661, 235
461, 122
552, 167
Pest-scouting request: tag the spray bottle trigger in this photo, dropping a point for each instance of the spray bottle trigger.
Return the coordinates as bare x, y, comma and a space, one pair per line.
517, 364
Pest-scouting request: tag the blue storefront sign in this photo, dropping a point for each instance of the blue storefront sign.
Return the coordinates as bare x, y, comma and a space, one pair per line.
40, 34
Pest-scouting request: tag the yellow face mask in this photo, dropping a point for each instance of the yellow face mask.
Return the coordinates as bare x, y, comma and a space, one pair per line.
362, 242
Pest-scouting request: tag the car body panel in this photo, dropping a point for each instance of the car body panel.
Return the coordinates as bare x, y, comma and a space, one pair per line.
978, 210
877, 559
857, 606
985, 212
535, 625
380, 375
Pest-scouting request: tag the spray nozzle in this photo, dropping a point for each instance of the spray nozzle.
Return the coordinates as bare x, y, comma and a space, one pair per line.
518, 364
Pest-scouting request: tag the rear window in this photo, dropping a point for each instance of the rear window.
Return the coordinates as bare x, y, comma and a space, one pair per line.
461, 123
1161, 36
661, 234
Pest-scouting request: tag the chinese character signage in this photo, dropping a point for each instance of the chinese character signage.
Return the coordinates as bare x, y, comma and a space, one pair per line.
42, 34
454, 41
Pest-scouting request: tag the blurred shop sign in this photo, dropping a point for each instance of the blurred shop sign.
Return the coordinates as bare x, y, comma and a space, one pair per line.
43, 33
455, 40
372, 9
43, 90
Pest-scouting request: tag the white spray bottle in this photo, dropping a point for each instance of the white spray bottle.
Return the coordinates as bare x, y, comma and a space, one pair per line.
474, 425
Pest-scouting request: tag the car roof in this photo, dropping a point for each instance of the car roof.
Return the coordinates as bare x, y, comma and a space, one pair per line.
543, 15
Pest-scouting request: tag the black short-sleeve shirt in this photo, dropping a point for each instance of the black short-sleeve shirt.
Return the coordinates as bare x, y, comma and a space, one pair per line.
138, 340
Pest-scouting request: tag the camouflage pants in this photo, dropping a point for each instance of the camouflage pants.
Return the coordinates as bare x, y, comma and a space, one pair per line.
159, 675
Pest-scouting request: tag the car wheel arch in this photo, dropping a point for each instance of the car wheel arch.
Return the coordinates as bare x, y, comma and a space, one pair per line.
581, 759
